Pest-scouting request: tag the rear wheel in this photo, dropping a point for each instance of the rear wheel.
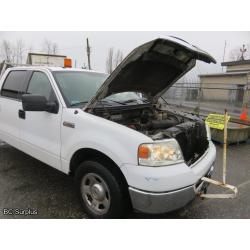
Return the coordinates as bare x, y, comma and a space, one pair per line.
101, 192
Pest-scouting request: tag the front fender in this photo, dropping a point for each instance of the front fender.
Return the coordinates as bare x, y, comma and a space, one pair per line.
116, 141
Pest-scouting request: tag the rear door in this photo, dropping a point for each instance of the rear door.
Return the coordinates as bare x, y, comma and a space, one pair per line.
13, 86
40, 131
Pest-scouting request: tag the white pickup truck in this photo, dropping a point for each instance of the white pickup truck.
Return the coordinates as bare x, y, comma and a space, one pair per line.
124, 147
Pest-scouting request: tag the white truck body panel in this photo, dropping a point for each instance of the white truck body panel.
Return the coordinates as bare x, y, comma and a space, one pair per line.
10, 124
119, 143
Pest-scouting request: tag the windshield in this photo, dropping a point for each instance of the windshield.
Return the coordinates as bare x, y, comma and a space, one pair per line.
79, 87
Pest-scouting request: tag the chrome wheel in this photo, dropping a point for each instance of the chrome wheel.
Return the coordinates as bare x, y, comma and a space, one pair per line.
95, 193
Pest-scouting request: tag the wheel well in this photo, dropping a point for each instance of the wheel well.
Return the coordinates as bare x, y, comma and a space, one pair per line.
86, 154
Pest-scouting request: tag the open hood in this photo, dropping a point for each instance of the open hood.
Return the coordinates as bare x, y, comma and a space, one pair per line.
152, 68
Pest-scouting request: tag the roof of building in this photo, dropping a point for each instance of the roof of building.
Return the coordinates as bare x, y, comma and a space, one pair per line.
236, 73
241, 62
42, 54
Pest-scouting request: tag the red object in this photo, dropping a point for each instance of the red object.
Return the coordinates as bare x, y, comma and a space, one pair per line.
243, 115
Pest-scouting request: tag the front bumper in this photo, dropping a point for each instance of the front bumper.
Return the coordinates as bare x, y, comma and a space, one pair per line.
157, 203
164, 189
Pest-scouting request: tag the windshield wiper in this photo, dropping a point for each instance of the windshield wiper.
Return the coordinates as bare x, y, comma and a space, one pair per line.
122, 103
136, 100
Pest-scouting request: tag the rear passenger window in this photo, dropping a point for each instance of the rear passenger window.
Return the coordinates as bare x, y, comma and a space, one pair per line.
40, 85
14, 85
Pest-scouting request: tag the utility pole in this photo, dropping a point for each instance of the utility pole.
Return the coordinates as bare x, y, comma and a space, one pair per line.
224, 52
88, 54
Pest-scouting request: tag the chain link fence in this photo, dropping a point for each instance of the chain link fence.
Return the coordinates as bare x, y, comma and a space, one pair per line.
213, 98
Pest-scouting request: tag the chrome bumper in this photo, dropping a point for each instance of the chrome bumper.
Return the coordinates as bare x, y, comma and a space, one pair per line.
157, 203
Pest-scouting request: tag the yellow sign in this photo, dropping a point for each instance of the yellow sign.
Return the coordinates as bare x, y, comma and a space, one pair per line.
216, 121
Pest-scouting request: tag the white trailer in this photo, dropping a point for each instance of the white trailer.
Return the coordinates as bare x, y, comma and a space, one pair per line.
46, 59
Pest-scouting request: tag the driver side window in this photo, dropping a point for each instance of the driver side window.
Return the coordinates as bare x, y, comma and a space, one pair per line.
40, 85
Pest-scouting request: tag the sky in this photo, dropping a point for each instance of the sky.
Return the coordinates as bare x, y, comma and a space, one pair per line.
73, 43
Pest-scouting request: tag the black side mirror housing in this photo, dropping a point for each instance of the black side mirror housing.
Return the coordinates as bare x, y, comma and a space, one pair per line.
38, 103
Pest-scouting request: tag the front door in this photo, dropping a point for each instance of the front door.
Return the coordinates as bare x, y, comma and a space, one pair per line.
40, 131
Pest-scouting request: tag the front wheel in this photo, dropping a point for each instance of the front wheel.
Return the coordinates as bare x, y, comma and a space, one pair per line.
101, 192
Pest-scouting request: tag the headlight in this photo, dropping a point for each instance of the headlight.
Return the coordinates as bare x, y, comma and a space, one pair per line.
208, 132
160, 153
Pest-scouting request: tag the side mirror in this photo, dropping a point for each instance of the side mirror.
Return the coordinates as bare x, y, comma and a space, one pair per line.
38, 103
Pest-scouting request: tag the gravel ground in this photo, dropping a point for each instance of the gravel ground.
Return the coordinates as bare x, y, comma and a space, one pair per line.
28, 183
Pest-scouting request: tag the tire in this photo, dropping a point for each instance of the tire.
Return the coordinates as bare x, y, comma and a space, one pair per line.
101, 192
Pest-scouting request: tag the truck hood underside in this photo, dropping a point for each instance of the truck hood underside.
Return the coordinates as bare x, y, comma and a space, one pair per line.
152, 68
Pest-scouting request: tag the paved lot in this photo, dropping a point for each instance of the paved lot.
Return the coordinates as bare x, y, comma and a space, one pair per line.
28, 183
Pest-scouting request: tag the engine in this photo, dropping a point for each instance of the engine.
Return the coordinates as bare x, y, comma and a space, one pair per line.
190, 132
147, 120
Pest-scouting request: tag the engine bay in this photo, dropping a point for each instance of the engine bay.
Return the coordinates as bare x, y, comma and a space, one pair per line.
144, 118
159, 124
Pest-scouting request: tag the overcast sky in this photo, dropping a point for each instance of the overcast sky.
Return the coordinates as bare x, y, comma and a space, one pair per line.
73, 44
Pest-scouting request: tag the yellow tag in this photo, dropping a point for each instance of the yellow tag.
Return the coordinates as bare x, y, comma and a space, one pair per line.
216, 121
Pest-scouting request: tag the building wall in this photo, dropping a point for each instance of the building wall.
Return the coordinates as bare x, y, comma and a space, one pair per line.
248, 78
227, 79
247, 98
215, 95
238, 67
221, 88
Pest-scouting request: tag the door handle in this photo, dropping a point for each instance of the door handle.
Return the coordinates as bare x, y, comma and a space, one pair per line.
21, 114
